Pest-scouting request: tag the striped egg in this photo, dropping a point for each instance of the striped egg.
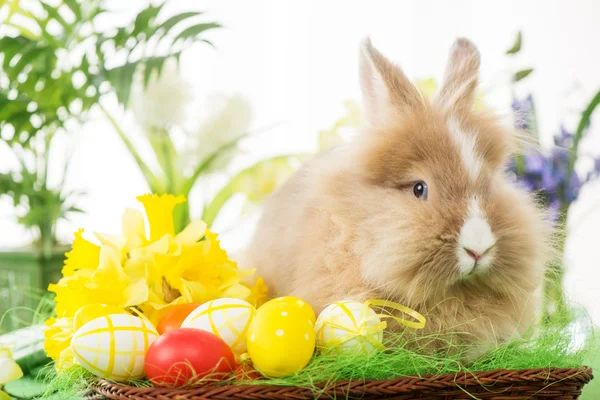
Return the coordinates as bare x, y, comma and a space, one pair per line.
228, 318
349, 327
114, 346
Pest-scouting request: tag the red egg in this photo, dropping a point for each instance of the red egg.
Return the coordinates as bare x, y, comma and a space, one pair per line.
183, 356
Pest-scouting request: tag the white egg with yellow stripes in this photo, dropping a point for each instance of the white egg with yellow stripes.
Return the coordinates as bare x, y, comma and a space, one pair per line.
349, 326
228, 318
114, 346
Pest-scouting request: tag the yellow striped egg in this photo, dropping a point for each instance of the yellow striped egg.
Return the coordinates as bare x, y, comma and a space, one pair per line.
349, 326
114, 346
228, 318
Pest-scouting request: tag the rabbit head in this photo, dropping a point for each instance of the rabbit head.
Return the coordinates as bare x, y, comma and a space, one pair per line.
425, 191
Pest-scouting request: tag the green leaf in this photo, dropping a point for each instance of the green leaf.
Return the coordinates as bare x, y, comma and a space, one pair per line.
583, 123
53, 13
208, 163
75, 7
166, 155
145, 19
170, 23
121, 79
23, 31
25, 388
194, 30
516, 47
522, 74
10, 48
154, 183
30, 53
151, 65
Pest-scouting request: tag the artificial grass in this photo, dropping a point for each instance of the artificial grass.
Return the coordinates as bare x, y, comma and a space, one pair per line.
545, 347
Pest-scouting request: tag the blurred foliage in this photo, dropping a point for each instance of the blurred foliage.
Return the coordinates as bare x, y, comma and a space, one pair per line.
187, 152
552, 176
56, 65
349, 121
38, 206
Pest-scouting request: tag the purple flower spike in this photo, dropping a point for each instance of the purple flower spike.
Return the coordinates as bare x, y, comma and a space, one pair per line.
534, 163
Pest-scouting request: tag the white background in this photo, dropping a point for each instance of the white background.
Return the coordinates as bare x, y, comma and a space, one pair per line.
297, 62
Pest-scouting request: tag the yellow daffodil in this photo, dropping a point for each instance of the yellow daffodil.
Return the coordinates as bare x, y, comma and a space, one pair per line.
57, 341
151, 273
83, 254
159, 210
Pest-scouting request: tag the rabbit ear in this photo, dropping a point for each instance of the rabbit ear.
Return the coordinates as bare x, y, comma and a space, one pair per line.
386, 91
460, 79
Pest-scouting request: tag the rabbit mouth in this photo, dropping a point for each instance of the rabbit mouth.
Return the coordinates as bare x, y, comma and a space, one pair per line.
472, 263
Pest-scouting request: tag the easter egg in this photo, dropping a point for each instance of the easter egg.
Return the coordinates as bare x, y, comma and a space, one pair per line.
281, 338
182, 356
114, 346
92, 311
175, 317
293, 303
349, 326
227, 318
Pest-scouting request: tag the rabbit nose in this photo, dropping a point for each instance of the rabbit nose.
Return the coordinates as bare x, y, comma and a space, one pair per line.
474, 255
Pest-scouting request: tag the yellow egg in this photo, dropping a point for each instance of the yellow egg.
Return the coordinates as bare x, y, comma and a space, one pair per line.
114, 346
294, 304
92, 311
227, 318
281, 337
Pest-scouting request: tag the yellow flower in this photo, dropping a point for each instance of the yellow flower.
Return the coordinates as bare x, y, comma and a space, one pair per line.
82, 255
58, 338
159, 210
151, 274
258, 293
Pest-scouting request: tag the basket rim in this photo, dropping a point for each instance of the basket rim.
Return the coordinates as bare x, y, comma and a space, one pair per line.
532, 378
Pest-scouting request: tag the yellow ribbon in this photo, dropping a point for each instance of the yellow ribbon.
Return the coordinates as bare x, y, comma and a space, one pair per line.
419, 324
362, 332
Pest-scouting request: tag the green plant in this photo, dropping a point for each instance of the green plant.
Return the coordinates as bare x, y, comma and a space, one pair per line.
552, 176
57, 65
204, 151
40, 205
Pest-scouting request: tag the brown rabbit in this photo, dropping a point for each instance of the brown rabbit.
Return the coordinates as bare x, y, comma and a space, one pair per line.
416, 210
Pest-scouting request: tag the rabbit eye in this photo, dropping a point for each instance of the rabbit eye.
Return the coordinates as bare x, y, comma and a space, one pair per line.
420, 190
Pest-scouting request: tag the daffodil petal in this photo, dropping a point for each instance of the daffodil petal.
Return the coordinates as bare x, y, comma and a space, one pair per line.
115, 241
57, 336
83, 254
192, 233
136, 293
237, 291
159, 210
193, 292
133, 228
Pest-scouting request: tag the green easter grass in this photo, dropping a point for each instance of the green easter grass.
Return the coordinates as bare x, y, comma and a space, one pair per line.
547, 347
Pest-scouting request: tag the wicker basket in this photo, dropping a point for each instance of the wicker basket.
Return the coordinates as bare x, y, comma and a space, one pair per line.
555, 383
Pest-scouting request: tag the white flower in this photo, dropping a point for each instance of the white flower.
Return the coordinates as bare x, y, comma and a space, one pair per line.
163, 102
228, 118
